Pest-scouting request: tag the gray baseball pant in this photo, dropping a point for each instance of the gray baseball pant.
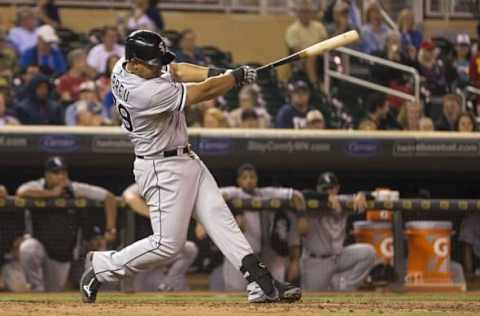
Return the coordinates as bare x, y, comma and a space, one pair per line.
343, 272
43, 273
175, 189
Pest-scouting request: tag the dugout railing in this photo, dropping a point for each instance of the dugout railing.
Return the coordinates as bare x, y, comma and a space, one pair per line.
13, 212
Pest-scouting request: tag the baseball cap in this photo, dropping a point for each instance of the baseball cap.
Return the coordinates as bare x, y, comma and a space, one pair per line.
463, 39
55, 163
314, 115
87, 86
47, 33
298, 85
428, 45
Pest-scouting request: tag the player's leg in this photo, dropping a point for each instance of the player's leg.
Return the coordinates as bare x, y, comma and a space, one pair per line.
32, 258
233, 278
176, 278
275, 263
168, 187
316, 273
56, 275
216, 281
211, 210
353, 266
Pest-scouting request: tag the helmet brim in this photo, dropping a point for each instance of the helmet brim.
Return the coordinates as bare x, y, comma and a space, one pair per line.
162, 60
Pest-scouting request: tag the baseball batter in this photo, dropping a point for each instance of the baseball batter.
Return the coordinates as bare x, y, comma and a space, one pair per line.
326, 265
150, 95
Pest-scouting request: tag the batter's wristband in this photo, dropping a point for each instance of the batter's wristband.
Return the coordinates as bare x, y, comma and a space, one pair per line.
238, 74
213, 71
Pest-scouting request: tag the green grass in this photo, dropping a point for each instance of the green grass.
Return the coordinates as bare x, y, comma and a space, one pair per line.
200, 304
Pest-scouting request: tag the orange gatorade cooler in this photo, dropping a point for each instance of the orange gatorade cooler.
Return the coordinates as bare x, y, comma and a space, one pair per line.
377, 234
383, 195
428, 251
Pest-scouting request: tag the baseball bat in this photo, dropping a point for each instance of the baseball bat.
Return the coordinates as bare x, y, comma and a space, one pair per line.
315, 50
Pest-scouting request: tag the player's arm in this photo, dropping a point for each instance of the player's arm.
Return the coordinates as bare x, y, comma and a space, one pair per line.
136, 203
184, 72
293, 272
217, 86
110, 208
298, 201
29, 190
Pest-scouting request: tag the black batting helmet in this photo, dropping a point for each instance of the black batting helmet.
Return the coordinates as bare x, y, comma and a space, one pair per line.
327, 180
149, 47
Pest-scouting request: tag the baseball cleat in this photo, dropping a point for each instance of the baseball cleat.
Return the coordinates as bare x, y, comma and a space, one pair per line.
288, 292
89, 285
257, 295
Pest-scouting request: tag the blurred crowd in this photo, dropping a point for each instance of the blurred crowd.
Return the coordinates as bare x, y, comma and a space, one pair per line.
51, 75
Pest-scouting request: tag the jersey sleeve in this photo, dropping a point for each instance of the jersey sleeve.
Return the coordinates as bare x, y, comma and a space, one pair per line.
168, 96
277, 193
229, 193
88, 191
32, 185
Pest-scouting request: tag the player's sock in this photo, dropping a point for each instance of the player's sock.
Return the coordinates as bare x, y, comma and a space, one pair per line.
254, 270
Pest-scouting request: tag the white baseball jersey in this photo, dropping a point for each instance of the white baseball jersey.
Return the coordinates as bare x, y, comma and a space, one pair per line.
151, 110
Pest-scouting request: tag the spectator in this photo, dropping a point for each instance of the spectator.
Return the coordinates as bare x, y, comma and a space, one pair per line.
196, 112
374, 31
47, 13
305, 31
315, 120
145, 16
412, 38
22, 82
45, 54
103, 80
378, 112
188, 51
461, 63
388, 76
87, 111
250, 101
23, 35
452, 108
5, 119
410, 115
348, 8
46, 258
367, 125
215, 118
466, 123
294, 115
38, 107
68, 85
340, 19
8, 60
432, 69
3, 192
426, 124
99, 54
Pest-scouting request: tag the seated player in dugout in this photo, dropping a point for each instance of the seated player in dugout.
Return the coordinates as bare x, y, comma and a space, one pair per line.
47, 250
170, 275
326, 265
273, 235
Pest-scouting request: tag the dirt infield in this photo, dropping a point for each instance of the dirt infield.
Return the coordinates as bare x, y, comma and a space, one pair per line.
207, 304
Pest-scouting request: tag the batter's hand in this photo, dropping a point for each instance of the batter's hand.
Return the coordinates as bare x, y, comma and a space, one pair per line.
244, 75
359, 203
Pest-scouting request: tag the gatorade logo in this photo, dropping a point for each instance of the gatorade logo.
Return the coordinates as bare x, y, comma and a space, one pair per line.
441, 247
386, 247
